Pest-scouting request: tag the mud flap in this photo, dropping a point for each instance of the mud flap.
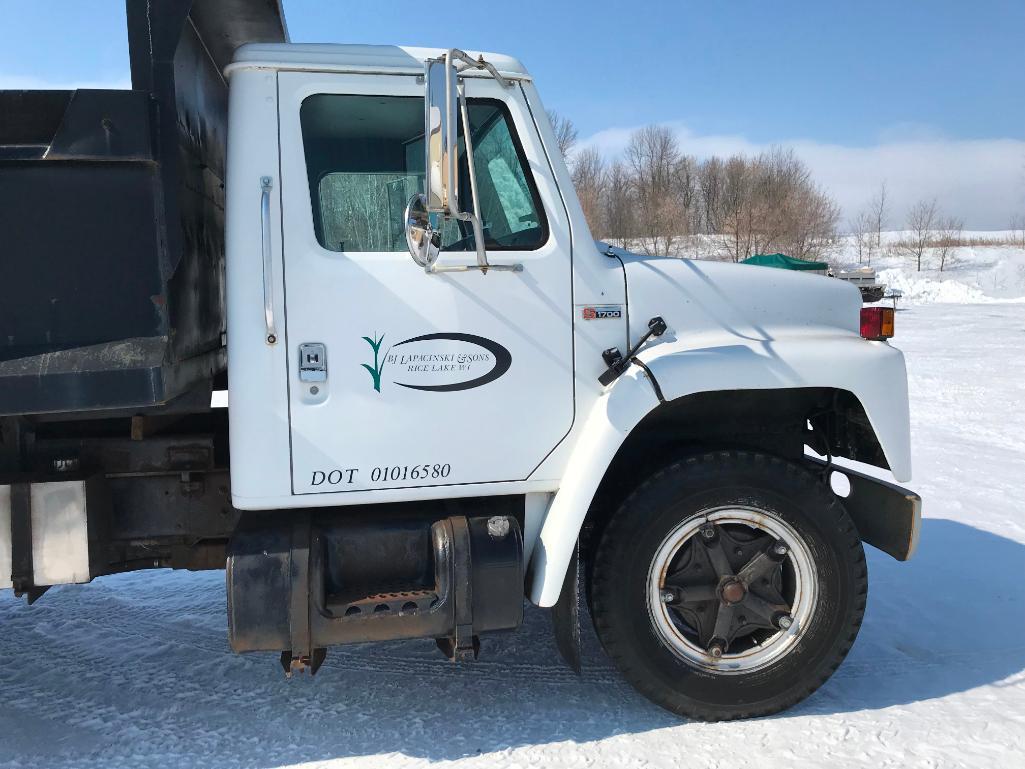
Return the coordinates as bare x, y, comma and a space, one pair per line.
887, 516
566, 615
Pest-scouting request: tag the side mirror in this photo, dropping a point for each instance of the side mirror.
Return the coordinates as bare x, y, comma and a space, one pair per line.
423, 241
444, 108
441, 128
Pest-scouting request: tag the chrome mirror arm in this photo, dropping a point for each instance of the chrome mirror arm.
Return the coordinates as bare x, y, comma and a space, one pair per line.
478, 63
465, 216
474, 218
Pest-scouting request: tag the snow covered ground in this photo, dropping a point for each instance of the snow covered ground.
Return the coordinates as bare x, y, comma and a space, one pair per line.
134, 671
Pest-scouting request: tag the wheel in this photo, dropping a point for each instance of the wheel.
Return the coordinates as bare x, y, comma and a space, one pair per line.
729, 585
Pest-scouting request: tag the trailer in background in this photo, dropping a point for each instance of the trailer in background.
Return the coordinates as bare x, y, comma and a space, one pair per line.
864, 278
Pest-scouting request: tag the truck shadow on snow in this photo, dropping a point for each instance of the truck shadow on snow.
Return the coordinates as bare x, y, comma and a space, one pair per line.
949, 620
134, 671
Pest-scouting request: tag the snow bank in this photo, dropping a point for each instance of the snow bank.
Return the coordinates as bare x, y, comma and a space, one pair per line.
972, 274
920, 290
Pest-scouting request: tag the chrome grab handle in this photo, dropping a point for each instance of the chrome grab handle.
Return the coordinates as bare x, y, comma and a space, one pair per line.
266, 185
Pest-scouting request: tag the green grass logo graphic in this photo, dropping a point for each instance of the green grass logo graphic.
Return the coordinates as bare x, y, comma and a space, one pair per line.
378, 367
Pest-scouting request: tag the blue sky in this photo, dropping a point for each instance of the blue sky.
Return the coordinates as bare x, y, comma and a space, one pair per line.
864, 90
840, 70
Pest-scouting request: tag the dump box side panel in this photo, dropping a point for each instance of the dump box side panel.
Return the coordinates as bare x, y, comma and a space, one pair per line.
200, 114
113, 208
77, 255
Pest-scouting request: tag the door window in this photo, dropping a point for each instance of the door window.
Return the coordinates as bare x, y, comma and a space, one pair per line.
365, 159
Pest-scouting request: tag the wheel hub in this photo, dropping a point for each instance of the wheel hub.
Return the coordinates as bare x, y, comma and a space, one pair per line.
732, 589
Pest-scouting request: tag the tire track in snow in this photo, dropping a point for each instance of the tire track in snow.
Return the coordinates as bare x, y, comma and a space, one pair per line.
149, 624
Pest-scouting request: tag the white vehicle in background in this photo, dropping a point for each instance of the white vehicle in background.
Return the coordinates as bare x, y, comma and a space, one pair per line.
445, 397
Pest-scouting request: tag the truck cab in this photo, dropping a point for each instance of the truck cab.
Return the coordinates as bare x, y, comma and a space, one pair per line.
405, 354
446, 398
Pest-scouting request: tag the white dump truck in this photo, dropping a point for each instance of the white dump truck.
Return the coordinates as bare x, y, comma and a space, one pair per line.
445, 399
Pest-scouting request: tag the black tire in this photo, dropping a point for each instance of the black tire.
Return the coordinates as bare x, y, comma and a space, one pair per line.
629, 542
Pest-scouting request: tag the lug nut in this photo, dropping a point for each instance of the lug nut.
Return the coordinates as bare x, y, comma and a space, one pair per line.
498, 527
780, 549
784, 622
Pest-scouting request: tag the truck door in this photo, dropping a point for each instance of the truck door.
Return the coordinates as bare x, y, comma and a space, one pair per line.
398, 378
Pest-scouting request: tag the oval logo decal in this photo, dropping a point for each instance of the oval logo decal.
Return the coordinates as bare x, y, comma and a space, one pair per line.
445, 362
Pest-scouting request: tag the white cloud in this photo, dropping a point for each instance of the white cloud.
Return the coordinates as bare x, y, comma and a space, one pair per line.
979, 180
27, 83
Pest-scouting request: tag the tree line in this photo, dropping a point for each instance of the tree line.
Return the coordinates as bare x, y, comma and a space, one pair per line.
927, 231
655, 197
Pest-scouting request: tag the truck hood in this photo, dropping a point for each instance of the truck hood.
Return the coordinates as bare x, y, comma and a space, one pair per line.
699, 298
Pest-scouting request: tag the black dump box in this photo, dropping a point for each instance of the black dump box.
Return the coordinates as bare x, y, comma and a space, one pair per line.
112, 219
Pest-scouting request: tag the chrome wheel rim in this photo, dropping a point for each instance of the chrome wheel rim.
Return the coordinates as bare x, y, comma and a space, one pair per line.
732, 589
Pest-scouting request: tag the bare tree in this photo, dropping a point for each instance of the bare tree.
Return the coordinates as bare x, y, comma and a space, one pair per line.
1018, 231
735, 217
589, 178
565, 132
864, 236
813, 218
948, 238
653, 157
685, 189
791, 213
877, 208
921, 221
767, 204
710, 192
618, 211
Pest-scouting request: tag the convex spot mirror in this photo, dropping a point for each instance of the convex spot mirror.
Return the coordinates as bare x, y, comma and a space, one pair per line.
423, 241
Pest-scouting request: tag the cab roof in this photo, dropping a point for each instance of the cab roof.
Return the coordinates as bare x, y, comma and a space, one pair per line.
386, 59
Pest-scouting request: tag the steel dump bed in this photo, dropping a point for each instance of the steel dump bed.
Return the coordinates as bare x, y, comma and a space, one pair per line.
112, 219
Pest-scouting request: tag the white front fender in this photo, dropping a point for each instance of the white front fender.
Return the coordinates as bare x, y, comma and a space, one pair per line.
611, 419
873, 372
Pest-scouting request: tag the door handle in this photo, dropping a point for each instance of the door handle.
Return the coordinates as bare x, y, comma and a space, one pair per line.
266, 185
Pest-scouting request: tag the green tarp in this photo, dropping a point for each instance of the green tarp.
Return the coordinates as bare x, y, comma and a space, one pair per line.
784, 262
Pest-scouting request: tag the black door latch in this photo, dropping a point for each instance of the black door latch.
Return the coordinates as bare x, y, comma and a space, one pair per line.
618, 363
